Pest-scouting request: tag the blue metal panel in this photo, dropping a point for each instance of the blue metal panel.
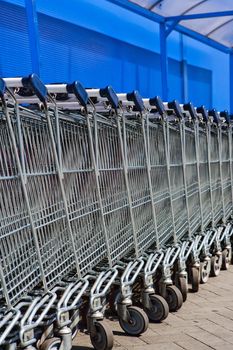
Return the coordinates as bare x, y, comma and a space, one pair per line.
33, 34
15, 58
231, 81
69, 52
106, 18
175, 80
199, 86
163, 58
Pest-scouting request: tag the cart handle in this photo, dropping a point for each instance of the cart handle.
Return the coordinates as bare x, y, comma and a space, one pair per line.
105, 93
158, 103
190, 108
202, 110
176, 107
31, 82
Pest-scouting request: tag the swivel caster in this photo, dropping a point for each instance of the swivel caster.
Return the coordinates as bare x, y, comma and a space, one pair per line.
51, 344
159, 309
138, 322
226, 258
174, 298
103, 337
183, 287
216, 263
204, 271
195, 279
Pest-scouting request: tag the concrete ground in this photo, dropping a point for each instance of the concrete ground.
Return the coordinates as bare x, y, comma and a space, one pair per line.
204, 322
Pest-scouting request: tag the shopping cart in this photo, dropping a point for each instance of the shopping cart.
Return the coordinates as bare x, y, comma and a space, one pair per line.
211, 188
135, 138
20, 269
46, 251
104, 133
167, 201
226, 184
105, 199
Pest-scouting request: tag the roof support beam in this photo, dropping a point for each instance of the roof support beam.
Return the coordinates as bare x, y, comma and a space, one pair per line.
203, 39
128, 5
199, 15
181, 29
171, 27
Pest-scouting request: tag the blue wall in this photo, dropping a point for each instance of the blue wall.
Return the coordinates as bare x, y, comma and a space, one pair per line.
100, 43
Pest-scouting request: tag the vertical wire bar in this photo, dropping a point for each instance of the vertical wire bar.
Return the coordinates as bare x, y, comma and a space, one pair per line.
230, 155
60, 179
208, 140
148, 168
94, 157
182, 142
167, 155
123, 145
24, 189
219, 137
197, 150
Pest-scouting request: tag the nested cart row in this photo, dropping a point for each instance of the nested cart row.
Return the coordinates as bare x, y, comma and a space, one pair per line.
110, 203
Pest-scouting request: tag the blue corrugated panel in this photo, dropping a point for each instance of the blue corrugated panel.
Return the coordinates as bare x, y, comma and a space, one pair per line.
69, 52
15, 56
199, 86
175, 80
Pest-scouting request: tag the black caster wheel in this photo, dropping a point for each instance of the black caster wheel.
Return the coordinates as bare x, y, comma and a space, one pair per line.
226, 259
174, 298
183, 287
103, 338
51, 344
204, 271
216, 263
195, 279
159, 309
138, 322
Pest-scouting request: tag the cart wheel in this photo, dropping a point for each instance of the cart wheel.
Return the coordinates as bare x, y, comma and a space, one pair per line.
204, 271
216, 265
183, 287
226, 258
138, 322
174, 298
103, 338
195, 279
159, 308
51, 344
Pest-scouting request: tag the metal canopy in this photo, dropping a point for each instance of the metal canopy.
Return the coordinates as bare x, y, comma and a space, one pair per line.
210, 18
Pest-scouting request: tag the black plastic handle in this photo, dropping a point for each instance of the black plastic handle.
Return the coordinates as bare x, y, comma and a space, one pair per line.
34, 83
202, 110
2, 87
158, 103
136, 98
79, 91
213, 113
190, 108
176, 107
111, 96
225, 115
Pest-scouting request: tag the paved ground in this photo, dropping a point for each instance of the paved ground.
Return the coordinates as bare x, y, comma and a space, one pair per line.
204, 322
